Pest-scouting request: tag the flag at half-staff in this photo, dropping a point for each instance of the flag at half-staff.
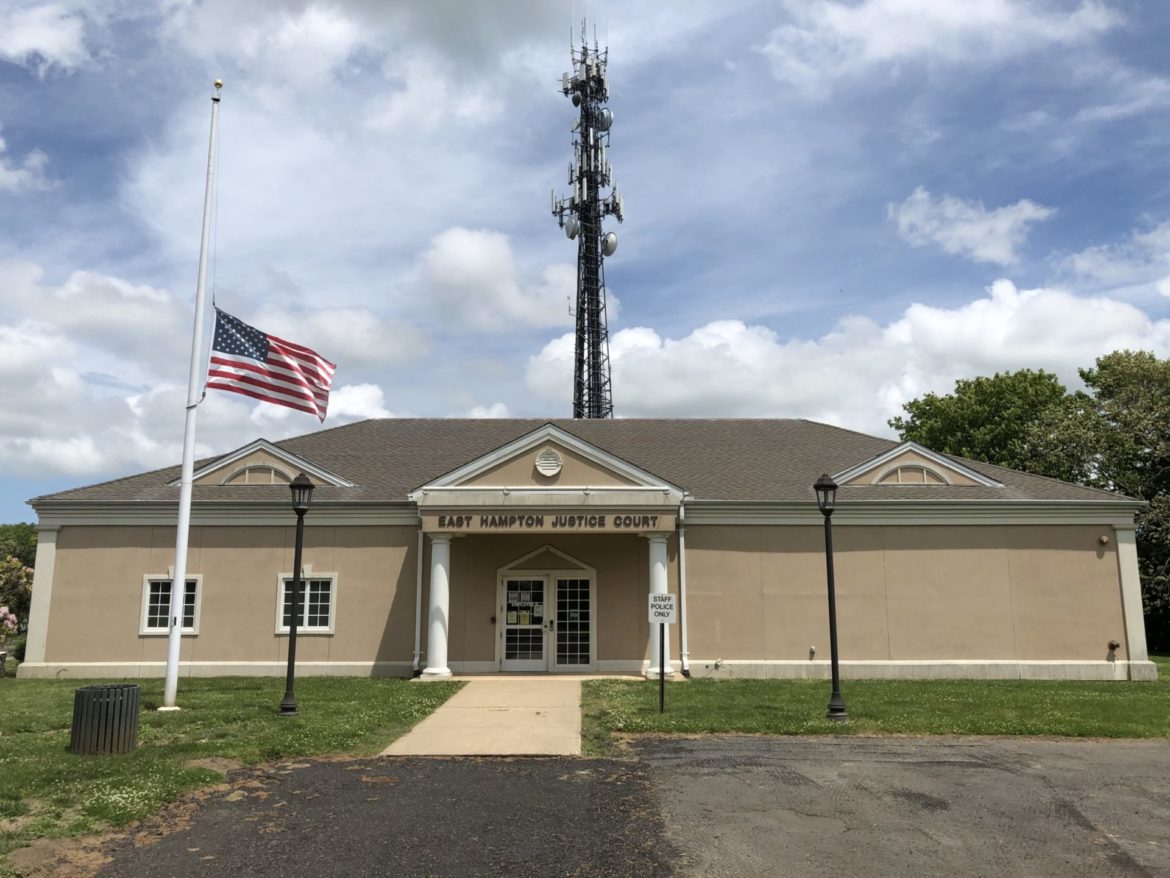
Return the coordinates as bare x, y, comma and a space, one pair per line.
248, 361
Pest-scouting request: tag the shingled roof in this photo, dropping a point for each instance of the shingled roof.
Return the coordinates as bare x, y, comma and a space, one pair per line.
726, 460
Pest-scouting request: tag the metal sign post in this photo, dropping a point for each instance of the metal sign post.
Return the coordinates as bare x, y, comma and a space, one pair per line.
662, 611
661, 666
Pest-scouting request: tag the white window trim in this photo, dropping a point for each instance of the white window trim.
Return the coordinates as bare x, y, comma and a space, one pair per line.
271, 467
163, 632
946, 482
308, 574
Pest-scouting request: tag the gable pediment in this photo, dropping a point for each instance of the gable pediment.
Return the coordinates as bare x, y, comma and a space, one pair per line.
912, 464
547, 464
261, 463
548, 461
546, 558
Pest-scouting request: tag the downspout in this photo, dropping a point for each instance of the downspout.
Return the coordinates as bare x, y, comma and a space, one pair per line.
415, 670
682, 587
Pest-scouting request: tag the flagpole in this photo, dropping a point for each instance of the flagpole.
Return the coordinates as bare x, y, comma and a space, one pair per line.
179, 577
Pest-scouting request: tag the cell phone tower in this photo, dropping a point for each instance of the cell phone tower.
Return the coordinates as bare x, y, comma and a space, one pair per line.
580, 215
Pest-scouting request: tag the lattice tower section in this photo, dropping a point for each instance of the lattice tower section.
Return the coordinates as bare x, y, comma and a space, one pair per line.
580, 214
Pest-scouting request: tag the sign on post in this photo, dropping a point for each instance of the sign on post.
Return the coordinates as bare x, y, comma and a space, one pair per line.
662, 609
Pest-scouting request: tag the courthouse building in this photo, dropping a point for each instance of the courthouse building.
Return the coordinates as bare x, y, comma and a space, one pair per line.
487, 546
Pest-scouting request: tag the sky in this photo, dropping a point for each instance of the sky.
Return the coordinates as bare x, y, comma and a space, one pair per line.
831, 208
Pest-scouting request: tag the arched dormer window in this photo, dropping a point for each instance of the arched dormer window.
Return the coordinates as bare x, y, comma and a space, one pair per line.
258, 474
911, 474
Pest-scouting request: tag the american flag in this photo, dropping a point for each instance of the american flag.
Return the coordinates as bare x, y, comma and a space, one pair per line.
248, 361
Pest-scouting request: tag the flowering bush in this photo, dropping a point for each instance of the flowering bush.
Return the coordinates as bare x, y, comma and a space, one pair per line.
9, 624
15, 587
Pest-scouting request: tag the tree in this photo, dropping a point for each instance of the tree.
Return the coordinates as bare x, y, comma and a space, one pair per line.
1121, 431
19, 541
990, 419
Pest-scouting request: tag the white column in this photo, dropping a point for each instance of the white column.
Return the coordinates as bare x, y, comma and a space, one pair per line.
658, 586
439, 608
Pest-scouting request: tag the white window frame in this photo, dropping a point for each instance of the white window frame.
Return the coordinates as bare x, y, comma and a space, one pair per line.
143, 630
308, 575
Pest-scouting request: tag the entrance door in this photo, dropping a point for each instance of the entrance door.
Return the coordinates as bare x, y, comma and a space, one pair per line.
524, 625
572, 625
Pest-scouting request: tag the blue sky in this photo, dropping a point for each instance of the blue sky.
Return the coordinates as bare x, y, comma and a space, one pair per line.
831, 208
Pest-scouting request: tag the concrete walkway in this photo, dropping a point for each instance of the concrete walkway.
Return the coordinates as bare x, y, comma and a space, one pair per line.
501, 716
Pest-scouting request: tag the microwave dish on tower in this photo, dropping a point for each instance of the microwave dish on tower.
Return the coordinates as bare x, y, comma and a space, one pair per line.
580, 215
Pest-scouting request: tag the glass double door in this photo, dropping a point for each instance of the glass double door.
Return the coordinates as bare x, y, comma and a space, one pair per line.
547, 622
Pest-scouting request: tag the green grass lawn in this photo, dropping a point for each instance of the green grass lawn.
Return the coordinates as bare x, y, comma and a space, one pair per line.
46, 791
878, 707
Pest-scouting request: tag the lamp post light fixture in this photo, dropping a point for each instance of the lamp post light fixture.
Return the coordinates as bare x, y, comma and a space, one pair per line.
302, 496
826, 490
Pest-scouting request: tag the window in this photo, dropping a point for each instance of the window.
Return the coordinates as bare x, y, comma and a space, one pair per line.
258, 474
911, 475
156, 605
317, 600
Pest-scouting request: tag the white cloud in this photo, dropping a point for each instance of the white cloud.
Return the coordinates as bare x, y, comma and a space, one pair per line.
27, 173
495, 410
1144, 258
1127, 93
356, 402
43, 37
95, 369
828, 40
122, 327
427, 99
351, 337
861, 373
967, 228
472, 280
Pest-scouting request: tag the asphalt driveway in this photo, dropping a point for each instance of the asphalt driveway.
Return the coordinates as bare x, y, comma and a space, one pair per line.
1003, 807
723, 806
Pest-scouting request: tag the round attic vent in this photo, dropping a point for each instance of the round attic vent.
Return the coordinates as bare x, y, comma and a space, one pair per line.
548, 462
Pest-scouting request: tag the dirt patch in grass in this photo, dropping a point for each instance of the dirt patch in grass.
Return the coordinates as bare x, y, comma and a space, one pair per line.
83, 857
60, 858
215, 763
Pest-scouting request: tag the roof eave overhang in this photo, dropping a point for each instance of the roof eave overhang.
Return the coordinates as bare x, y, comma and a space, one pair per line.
59, 513
576, 496
1116, 513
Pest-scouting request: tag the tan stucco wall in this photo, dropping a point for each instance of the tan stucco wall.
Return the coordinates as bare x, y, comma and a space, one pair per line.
622, 564
96, 604
575, 470
904, 593
756, 593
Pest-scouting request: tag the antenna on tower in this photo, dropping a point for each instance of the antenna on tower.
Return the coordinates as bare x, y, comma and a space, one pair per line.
580, 215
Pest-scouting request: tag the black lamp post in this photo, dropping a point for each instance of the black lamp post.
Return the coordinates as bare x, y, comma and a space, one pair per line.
302, 496
826, 490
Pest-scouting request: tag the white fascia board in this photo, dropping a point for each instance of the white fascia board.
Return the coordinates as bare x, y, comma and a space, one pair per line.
918, 512
132, 513
478, 496
293, 460
547, 433
940, 460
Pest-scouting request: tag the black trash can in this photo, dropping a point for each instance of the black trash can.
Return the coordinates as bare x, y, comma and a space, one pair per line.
105, 719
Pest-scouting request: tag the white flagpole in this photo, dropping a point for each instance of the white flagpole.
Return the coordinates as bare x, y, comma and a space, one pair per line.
194, 379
